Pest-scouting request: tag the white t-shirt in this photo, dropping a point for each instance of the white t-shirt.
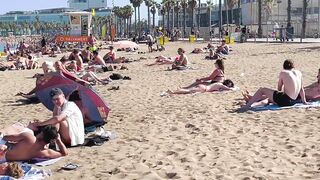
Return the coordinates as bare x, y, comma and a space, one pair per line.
75, 122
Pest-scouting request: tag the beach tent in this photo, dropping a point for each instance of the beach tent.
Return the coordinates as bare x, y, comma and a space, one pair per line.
96, 110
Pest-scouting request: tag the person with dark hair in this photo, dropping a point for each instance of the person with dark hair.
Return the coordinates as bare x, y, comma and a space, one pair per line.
216, 76
24, 146
223, 48
290, 88
97, 59
312, 93
110, 57
67, 118
226, 85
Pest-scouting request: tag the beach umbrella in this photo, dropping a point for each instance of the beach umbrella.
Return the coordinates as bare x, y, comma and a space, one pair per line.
93, 106
125, 44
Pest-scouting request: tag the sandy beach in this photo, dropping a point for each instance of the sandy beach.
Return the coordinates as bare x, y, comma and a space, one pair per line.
197, 136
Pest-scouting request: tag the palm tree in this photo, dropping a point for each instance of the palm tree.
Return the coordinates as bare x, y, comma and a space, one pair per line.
209, 5
259, 18
192, 4
231, 4
139, 2
239, 13
127, 14
168, 4
136, 4
148, 3
304, 18
220, 18
177, 8
289, 13
184, 5
199, 14
153, 11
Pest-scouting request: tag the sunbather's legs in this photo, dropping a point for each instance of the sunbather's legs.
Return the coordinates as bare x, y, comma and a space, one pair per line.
259, 95
63, 129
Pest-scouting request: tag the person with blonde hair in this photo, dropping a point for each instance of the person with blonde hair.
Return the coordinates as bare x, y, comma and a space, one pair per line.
12, 169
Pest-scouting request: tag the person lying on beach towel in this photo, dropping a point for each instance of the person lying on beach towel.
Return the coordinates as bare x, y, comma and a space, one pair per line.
216, 76
224, 86
290, 81
24, 146
12, 169
67, 118
312, 93
160, 60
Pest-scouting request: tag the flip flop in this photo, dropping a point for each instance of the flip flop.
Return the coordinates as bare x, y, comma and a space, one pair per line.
70, 166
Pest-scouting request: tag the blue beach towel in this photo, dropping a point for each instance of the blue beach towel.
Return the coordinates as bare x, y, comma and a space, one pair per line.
298, 105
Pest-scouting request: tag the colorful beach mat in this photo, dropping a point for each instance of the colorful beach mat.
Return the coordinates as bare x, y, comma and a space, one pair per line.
274, 107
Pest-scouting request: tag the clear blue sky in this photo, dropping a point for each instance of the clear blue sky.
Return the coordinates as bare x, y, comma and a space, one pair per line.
29, 5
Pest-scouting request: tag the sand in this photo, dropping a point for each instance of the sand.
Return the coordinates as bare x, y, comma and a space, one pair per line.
195, 136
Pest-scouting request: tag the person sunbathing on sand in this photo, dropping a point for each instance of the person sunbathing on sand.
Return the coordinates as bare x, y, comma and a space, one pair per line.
97, 59
110, 57
12, 169
216, 76
312, 93
224, 86
180, 63
25, 145
160, 60
290, 81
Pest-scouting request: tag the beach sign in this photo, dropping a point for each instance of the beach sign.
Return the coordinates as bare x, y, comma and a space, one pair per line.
63, 38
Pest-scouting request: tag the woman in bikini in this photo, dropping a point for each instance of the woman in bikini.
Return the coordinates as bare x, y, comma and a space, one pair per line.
182, 62
218, 86
216, 76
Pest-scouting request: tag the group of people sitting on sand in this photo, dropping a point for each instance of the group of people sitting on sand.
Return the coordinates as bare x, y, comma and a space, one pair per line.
215, 82
19, 61
47, 139
214, 52
289, 92
179, 62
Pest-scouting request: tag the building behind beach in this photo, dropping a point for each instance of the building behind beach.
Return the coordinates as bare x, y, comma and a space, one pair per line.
247, 14
55, 15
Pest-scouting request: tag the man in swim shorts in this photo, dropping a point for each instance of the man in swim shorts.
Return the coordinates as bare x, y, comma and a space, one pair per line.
290, 87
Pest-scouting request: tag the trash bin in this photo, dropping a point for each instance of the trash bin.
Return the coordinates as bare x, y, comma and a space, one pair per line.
229, 40
166, 39
161, 40
192, 38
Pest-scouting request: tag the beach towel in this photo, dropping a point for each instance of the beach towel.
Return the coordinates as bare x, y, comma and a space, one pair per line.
30, 173
275, 107
43, 162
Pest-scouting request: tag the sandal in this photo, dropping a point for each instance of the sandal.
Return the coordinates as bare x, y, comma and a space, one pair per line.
70, 166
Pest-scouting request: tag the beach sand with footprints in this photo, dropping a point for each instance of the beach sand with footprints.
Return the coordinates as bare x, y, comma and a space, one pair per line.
197, 136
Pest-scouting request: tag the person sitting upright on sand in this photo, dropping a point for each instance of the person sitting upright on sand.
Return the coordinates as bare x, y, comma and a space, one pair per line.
312, 93
97, 59
110, 57
182, 62
223, 48
216, 76
67, 117
289, 88
25, 145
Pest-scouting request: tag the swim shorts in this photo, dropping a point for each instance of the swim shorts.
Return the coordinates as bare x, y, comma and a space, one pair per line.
281, 99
